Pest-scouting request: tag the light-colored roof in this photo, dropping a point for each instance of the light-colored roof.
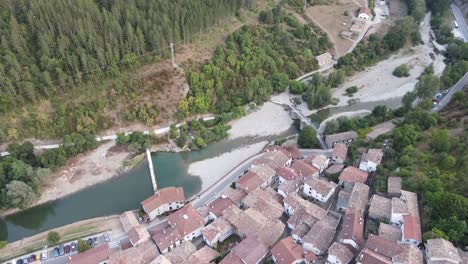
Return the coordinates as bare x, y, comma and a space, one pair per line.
138, 234
145, 253
164, 238
264, 171
353, 174
289, 186
394, 185
250, 250
335, 168
304, 169
220, 225
358, 198
161, 259
286, 173
343, 198
286, 251
186, 220
411, 200
441, 249
381, 129
320, 235
301, 230
278, 157
375, 155
324, 58
203, 256
235, 195
353, 227
348, 135
296, 202
368, 256
383, 246
399, 206
231, 259
163, 196
410, 254
380, 207
128, 220
181, 253
340, 150
341, 252
250, 181
319, 161
321, 186
264, 202
390, 232
412, 227
93, 255
271, 232
218, 205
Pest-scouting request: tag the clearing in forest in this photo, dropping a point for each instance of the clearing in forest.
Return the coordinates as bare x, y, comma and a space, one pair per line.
332, 19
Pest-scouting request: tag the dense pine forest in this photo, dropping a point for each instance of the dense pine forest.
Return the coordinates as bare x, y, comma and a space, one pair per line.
46, 45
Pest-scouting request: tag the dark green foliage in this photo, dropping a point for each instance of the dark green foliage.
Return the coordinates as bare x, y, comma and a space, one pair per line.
296, 87
427, 86
405, 136
401, 71
82, 246
440, 140
351, 90
181, 140
53, 238
417, 9
318, 92
173, 131
308, 138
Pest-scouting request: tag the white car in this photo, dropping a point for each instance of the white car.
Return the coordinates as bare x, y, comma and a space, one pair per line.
44, 255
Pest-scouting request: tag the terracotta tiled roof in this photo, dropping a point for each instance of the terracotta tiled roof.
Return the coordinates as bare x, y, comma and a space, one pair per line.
412, 227
321, 186
218, 205
278, 157
295, 153
217, 226
341, 252
163, 196
145, 253
250, 181
286, 173
390, 232
138, 234
359, 197
128, 220
94, 255
319, 161
399, 206
286, 251
304, 169
264, 171
300, 230
380, 207
385, 247
235, 195
441, 249
365, 10
166, 237
375, 155
289, 186
186, 220
353, 174
353, 227
296, 202
264, 202
368, 256
394, 185
181, 253
250, 250
348, 135
410, 254
340, 151
320, 235
335, 168
231, 259
203, 256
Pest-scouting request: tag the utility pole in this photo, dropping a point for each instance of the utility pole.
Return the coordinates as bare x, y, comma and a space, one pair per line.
171, 45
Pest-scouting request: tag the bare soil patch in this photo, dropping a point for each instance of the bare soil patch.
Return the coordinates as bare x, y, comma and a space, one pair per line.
398, 9
332, 20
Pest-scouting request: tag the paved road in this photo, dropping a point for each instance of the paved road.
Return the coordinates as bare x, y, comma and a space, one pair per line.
461, 84
460, 21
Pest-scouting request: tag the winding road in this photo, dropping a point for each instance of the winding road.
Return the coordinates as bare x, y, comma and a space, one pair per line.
460, 21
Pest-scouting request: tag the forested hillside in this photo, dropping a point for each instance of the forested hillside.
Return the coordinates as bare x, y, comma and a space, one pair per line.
47, 45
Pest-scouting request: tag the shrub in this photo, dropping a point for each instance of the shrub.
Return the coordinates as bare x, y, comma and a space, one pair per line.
351, 90
53, 238
401, 71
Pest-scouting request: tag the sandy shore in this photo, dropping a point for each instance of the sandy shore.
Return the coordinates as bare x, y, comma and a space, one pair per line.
269, 119
222, 164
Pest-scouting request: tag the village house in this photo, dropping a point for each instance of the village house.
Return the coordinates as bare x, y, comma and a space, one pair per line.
343, 200
358, 198
351, 175
390, 232
407, 204
346, 34
286, 251
324, 59
394, 186
204, 212
367, 256
138, 235
145, 253
411, 230
167, 239
217, 206
99, 255
286, 174
187, 222
352, 231
410, 254
265, 172
274, 159
217, 231
165, 200
293, 202
358, 25
344, 137
304, 169
364, 13
334, 169
250, 250
320, 162
264, 202
319, 189
339, 254
385, 247
370, 160
250, 181
181, 253
300, 230
320, 235
380, 129
128, 220
441, 251
288, 187
203, 255
235, 195
340, 152
291, 151
380, 208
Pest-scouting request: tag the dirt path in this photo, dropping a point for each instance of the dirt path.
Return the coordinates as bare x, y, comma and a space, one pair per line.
67, 233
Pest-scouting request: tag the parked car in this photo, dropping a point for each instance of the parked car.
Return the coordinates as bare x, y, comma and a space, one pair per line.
56, 252
62, 250
67, 249
89, 241
44, 255
106, 237
19, 261
25, 261
32, 258
73, 246
95, 241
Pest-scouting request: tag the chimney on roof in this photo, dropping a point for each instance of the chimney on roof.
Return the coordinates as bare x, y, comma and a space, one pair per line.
185, 216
